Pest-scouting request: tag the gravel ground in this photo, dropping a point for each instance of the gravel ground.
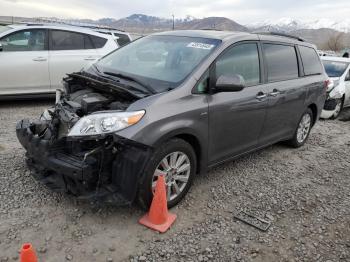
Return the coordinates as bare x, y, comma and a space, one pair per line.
304, 192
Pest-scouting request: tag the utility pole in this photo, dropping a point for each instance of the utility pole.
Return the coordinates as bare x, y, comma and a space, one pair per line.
173, 21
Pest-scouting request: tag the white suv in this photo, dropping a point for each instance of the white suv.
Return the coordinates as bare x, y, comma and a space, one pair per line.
34, 58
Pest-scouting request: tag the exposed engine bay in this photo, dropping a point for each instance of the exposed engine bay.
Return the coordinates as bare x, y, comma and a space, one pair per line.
100, 168
83, 95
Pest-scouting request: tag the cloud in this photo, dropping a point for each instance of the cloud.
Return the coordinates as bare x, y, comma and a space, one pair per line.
238, 10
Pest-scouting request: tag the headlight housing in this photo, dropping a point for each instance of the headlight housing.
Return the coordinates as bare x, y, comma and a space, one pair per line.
332, 84
105, 123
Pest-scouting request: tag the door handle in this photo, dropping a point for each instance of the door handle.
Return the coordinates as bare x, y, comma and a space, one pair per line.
89, 58
275, 92
40, 59
261, 96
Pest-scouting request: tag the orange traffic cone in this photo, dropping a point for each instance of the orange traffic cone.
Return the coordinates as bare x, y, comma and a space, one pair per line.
28, 253
159, 218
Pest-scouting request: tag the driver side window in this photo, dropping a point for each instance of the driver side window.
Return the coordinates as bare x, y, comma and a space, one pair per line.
26, 40
241, 60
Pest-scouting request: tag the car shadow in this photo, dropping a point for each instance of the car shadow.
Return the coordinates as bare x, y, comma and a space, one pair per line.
26, 102
345, 115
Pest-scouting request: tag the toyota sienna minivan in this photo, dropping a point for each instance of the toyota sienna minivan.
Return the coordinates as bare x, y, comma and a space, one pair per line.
173, 104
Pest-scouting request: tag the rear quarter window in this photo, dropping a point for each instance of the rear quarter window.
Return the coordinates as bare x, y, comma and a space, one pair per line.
122, 39
98, 42
311, 62
282, 62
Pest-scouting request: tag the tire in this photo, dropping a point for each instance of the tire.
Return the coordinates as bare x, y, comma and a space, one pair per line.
168, 150
340, 104
297, 140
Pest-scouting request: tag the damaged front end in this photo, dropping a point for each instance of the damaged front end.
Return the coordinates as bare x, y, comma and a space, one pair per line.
334, 100
97, 167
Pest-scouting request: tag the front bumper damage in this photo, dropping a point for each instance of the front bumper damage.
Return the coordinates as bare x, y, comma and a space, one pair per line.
330, 105
333, 98
102, 170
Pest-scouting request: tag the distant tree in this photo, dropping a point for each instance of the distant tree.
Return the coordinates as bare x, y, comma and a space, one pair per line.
336, 42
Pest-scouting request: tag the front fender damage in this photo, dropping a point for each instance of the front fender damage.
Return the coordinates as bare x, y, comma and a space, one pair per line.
101, 170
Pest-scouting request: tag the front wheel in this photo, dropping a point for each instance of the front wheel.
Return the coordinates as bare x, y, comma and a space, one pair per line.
303, 130
338, 108
176, 161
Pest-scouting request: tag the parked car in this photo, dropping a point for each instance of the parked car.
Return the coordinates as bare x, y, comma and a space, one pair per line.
35, 57
173, 104
338, 92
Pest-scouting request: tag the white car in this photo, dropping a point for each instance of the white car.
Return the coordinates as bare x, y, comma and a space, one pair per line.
34, 58
338, 93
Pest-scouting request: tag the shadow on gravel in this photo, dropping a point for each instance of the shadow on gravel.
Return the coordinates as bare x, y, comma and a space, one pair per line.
345, 115
26, 102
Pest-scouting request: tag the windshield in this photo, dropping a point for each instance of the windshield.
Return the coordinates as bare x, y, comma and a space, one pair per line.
162, 62
335, 69
4, 28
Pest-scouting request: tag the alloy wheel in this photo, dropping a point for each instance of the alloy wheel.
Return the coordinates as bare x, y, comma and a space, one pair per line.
176, 169
304, 128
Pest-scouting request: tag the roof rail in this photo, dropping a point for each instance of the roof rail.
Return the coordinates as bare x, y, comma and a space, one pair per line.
281, 34
34, 24
210, 29
42, 22
100, 27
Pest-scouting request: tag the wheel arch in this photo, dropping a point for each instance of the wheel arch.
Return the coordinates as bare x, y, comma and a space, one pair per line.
198, 145
314, 109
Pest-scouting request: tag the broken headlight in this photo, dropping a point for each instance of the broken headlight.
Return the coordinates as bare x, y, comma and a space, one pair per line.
104, 123
333, 84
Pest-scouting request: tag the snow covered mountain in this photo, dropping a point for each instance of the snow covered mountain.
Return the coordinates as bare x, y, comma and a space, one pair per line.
288, 24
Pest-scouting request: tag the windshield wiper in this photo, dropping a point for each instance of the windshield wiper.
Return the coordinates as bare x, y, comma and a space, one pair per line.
130, 78
99, 73
96, 67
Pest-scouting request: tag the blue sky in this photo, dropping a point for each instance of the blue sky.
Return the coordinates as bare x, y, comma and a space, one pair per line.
242, 11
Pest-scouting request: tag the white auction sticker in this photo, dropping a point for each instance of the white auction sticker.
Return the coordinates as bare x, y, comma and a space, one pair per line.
200, 45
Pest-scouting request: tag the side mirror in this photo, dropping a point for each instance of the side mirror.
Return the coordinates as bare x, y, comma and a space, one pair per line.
230, 83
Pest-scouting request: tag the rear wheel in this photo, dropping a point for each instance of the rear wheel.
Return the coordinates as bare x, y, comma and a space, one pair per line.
176, 161
303, 130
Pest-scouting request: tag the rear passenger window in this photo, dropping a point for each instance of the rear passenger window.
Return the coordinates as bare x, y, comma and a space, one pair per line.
311, 62
88, 43
282, 63
65, 40
241, 60
98, 42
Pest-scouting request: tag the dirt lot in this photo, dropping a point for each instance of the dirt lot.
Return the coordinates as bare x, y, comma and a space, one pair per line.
305, 192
